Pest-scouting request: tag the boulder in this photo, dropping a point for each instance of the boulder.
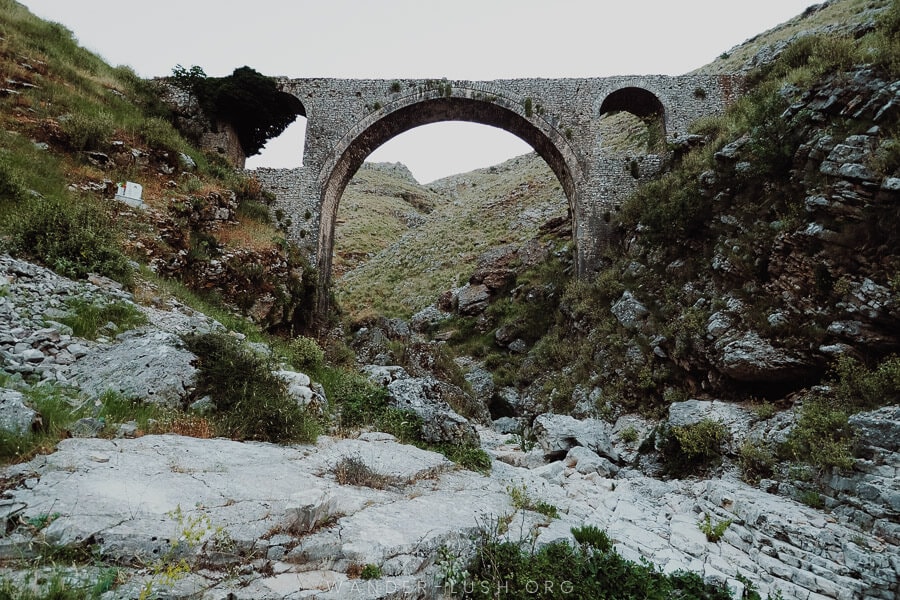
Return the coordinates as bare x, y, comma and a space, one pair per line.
15, 416
586, 461
149, 366
750, 358
473, 299
878, 428
557, 434
425, 396
383, 375
299, 387
308, 508
629, 311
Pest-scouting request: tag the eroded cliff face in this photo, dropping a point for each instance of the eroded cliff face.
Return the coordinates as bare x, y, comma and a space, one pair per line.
214, 136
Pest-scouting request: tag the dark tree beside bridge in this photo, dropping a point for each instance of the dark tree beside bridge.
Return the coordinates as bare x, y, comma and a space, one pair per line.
248, 100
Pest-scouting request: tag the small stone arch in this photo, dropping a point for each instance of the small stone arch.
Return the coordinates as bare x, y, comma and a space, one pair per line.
384, 123
640, 102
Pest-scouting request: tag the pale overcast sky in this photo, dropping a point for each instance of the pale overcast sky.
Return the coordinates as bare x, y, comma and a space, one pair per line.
457, 39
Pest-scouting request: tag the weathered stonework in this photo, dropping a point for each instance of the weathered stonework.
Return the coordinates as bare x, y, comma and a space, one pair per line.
559, 118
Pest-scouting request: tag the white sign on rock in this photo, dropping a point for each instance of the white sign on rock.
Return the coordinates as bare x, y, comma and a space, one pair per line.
130, 193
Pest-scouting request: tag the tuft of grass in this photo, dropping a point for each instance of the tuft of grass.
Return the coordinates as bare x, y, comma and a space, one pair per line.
58, 585
522, 501
89, 318
351, 470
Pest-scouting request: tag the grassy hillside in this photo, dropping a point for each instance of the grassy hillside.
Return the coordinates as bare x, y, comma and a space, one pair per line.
71, 127
471, 214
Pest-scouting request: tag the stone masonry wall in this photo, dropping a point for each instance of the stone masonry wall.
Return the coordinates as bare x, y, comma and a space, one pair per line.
348, 119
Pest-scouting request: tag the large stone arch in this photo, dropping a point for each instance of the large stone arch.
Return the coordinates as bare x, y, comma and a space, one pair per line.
517, 116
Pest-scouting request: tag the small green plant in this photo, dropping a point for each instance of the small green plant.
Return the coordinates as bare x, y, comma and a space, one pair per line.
713, 531
813, 499
629, 435
370, 571
522, 501
765, 411
528, 105
173, 565
395, 87
524, 439
40, 521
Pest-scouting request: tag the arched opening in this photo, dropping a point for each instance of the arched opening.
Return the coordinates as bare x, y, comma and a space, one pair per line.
284, 151
548, 144
399, 243
632, 122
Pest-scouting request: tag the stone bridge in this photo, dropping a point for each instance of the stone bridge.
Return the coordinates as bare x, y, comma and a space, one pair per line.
349, 118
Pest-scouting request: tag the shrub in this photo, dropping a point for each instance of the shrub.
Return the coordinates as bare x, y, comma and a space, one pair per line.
12, 189
756, 460
822, 436
592, 537
856, 386
691, 448
305, 353
86, 131
250, 401
72, 238
511, 570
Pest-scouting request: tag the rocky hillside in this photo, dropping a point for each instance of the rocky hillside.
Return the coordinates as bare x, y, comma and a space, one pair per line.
139, 501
